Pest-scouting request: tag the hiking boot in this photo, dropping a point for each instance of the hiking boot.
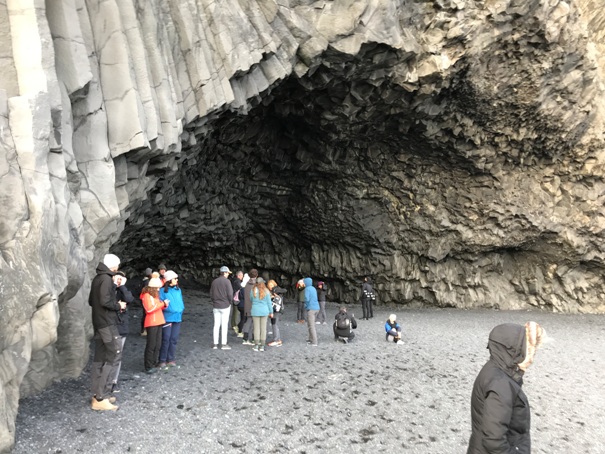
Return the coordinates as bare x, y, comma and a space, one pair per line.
240, 335
261, 348
114, 389
255, 348
236, 329
225, 347
103, 405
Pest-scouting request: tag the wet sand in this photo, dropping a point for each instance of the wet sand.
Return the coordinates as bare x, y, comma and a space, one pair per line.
368, 396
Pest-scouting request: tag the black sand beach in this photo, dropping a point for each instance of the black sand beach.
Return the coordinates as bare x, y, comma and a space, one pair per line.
368, 396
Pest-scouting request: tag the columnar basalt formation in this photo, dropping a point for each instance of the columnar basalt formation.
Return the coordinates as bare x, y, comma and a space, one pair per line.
452, 150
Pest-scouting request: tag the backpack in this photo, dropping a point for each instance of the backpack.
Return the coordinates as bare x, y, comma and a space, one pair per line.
278, 304
342, 321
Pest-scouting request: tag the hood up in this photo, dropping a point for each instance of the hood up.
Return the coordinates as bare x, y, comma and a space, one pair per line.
507, 347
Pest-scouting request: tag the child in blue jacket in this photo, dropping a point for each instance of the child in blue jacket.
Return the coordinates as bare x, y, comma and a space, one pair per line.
393, 329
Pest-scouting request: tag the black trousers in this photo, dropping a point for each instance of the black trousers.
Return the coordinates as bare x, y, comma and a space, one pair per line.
153, 346
366, 307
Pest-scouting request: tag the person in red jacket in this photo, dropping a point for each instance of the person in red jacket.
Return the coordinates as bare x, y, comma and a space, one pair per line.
154, 320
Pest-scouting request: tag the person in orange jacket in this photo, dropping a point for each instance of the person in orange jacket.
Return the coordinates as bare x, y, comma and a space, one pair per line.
154, 320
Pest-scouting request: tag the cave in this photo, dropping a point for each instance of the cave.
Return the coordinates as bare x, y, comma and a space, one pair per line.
451, 150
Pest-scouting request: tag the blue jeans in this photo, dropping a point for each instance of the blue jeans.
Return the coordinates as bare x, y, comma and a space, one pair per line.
170, 337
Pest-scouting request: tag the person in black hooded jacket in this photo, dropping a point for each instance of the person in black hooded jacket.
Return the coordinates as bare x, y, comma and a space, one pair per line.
500, 410
368, 298
108, 344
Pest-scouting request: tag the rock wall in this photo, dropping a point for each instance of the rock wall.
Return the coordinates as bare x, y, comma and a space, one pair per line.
453, 150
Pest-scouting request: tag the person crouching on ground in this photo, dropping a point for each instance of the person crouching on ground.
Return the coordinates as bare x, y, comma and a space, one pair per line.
393, 329
173, 314
344, 324
277, 301
154, 320
261, 309
500, 410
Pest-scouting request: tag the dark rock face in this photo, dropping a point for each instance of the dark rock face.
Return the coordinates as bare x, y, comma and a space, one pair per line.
451, 150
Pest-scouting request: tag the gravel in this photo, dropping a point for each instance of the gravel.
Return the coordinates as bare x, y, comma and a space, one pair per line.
368, 396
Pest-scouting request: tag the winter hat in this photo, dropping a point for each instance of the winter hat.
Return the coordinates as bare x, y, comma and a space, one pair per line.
320, 283
225, 269
111, 261
170, 275
162, 267
300, 284
155, 281
148, 272
260, 280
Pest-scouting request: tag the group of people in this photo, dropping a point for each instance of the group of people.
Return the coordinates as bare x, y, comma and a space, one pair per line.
257, 309
163, 307
500, 410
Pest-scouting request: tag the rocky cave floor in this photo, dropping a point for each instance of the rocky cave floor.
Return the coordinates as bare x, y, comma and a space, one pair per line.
368, 396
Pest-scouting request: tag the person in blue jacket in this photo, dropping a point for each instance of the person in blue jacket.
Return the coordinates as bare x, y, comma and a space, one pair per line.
262, 307
393, 329
312, 308
173, 314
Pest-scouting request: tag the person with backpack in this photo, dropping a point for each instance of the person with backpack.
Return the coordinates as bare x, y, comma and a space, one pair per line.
241, 303
236, 283
344, 324
278, 309
368, 298
393, 329
261, 308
